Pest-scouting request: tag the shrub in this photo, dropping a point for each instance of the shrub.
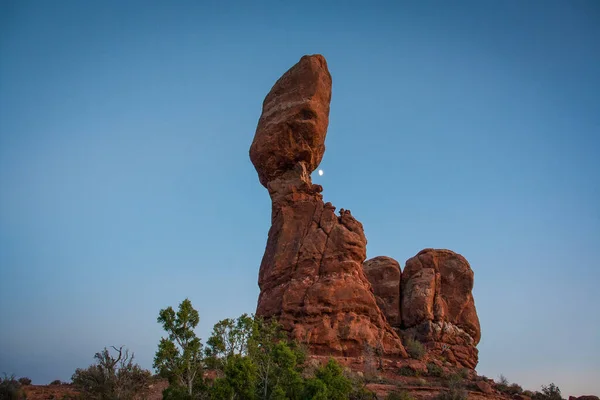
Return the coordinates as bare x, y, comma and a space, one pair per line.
56, 382
452, 394
362, 393
503, 380
515, 389
434, 370
402, 395
329, 383
420, 382
406, 371
509, 389
528, 393
112, 378
25, 381
415, 348
464, 373
454, 381
502, 385
550, 392
10, 389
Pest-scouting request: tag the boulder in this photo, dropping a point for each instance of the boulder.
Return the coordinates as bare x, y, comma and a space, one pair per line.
484, 387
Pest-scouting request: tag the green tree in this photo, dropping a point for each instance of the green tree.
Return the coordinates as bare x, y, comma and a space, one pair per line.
239, 381
229, 337
179, 357
255, 360
278, 361
329, 383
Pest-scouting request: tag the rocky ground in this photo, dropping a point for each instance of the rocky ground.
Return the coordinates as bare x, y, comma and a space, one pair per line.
65, 391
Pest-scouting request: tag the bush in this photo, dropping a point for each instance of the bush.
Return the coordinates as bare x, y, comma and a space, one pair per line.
464, 373
406, 371
515, 389
454, 381
415, 348
503, 380
362, 393
420, 382
550, 392
434, 370
329, 383
25, 381
112, 378
509, 389
10, 389
56, 382
402, 395
452, 394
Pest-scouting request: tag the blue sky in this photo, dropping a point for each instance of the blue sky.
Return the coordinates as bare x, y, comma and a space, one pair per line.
126, 186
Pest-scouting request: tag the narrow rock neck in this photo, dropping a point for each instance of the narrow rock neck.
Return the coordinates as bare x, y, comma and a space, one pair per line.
292, 186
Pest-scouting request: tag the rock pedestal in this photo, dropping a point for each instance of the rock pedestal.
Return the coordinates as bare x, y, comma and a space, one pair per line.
311, 277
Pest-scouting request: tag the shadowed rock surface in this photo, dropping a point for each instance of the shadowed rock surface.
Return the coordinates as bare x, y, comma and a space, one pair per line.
384, 275
311, 276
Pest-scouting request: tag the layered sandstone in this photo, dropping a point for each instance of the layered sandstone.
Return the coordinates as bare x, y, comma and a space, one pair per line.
311, 277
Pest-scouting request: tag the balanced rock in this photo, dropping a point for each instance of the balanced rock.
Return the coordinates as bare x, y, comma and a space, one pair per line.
311, 277
437, 305
294, 120
384, 275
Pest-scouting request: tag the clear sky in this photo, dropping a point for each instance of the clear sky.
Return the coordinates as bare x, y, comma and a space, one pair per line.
126, 186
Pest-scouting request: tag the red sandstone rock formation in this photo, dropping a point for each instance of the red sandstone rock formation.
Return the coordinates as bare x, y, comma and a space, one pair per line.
311, 276
384, 275
431, 301
437, 305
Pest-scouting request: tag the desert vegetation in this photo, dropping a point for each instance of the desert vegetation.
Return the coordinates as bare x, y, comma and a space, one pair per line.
244, 358
112, 377
248, 358
11, 388
414, 348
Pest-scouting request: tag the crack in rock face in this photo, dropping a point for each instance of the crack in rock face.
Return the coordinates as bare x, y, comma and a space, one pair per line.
311, 277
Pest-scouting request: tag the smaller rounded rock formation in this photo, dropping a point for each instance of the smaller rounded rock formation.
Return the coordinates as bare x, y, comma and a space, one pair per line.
430, 301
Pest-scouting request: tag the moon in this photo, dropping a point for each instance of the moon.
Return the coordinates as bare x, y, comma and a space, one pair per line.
320, 172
